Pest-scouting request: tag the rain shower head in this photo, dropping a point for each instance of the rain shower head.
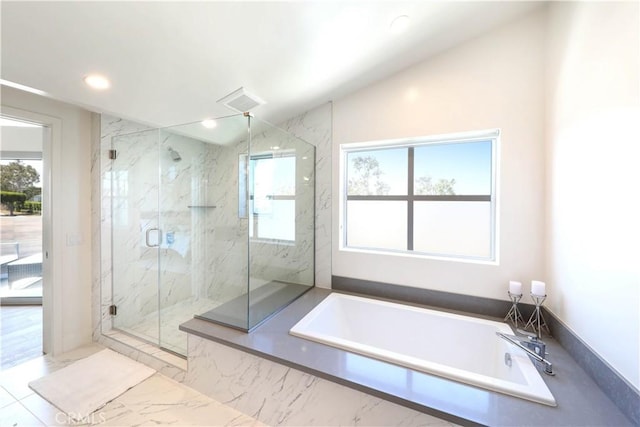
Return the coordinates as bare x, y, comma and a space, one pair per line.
174, 155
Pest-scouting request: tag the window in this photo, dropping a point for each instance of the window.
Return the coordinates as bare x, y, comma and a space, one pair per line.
429, 196
272, 194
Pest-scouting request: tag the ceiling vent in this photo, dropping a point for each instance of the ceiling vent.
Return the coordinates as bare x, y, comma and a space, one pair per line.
241, 101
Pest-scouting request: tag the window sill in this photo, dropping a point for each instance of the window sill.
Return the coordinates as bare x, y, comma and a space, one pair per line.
467, 260
274, 242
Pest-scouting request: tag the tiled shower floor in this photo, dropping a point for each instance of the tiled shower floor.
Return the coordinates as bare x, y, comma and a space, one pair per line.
156, 401
162, 328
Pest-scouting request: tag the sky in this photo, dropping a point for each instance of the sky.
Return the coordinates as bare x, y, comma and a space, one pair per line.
37, 164
468, 163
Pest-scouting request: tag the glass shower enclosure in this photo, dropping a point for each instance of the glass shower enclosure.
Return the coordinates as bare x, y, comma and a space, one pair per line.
213, 220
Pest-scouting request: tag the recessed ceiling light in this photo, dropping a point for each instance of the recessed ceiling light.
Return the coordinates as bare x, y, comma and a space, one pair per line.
209, 123
399, 24
97, 81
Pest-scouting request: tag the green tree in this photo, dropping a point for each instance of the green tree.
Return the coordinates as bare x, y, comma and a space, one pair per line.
12, 200
18, 177
365, 177
425, 187
31, 192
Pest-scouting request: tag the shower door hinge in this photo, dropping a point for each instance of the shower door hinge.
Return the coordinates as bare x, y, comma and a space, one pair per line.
113, 154
113, 310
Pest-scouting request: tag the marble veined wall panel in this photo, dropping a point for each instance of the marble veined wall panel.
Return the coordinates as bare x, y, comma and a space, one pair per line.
288, 260
110, 127
270, 260
137, 196
134, 190
279, 395
315, 127
214, 253
185, 220
227, 251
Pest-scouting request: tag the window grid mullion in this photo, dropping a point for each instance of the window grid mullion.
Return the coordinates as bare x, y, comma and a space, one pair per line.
410, 175
411, 198
427, 198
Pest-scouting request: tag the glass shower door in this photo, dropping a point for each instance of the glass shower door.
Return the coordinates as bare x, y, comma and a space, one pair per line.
204, 251
282, 220
179, 246
185, 216
136, 234
157, 180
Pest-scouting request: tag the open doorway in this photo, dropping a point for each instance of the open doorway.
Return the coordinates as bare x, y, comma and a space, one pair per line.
21, 240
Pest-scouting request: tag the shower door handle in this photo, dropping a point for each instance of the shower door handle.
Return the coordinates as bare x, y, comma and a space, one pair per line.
148, 239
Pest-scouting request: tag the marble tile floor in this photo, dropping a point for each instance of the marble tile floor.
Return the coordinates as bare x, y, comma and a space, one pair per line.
156, 401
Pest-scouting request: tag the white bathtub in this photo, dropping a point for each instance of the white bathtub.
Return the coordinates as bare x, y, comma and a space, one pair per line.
460, 348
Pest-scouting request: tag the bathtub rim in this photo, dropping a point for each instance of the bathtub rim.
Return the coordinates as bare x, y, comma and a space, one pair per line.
272, 342
530, 372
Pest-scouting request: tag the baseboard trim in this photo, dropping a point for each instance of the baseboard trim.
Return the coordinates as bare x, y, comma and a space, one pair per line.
616, 387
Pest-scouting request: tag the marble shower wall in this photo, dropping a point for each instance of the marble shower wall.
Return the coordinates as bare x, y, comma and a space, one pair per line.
186, 219
315, 127
109, 127
268, 260
132, 183
227, 252
135, 200
222, 247
291, 262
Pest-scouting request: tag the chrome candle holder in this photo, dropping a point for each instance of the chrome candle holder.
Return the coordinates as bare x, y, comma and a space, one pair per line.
537, 321
514, 314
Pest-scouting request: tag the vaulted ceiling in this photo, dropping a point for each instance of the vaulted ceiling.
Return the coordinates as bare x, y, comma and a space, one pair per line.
169, 62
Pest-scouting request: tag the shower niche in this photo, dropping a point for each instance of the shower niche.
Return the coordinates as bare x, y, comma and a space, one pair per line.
215, 222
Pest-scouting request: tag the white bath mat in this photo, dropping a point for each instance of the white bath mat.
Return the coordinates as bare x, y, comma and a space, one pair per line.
88, 384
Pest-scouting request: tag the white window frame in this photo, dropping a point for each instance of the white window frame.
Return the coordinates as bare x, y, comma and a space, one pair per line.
475, 136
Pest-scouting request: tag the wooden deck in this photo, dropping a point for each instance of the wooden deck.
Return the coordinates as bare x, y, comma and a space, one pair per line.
20, 334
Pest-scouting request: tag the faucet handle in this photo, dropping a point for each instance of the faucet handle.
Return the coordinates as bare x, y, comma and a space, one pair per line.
522, 333
526, 334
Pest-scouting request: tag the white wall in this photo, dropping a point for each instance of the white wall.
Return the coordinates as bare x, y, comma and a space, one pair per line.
493, 81
70, 243
593, 203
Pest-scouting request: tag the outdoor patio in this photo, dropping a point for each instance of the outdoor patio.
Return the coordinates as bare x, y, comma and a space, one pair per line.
21, 274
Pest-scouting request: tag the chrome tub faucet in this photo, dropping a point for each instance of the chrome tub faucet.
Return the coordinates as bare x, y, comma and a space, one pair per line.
534, 346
